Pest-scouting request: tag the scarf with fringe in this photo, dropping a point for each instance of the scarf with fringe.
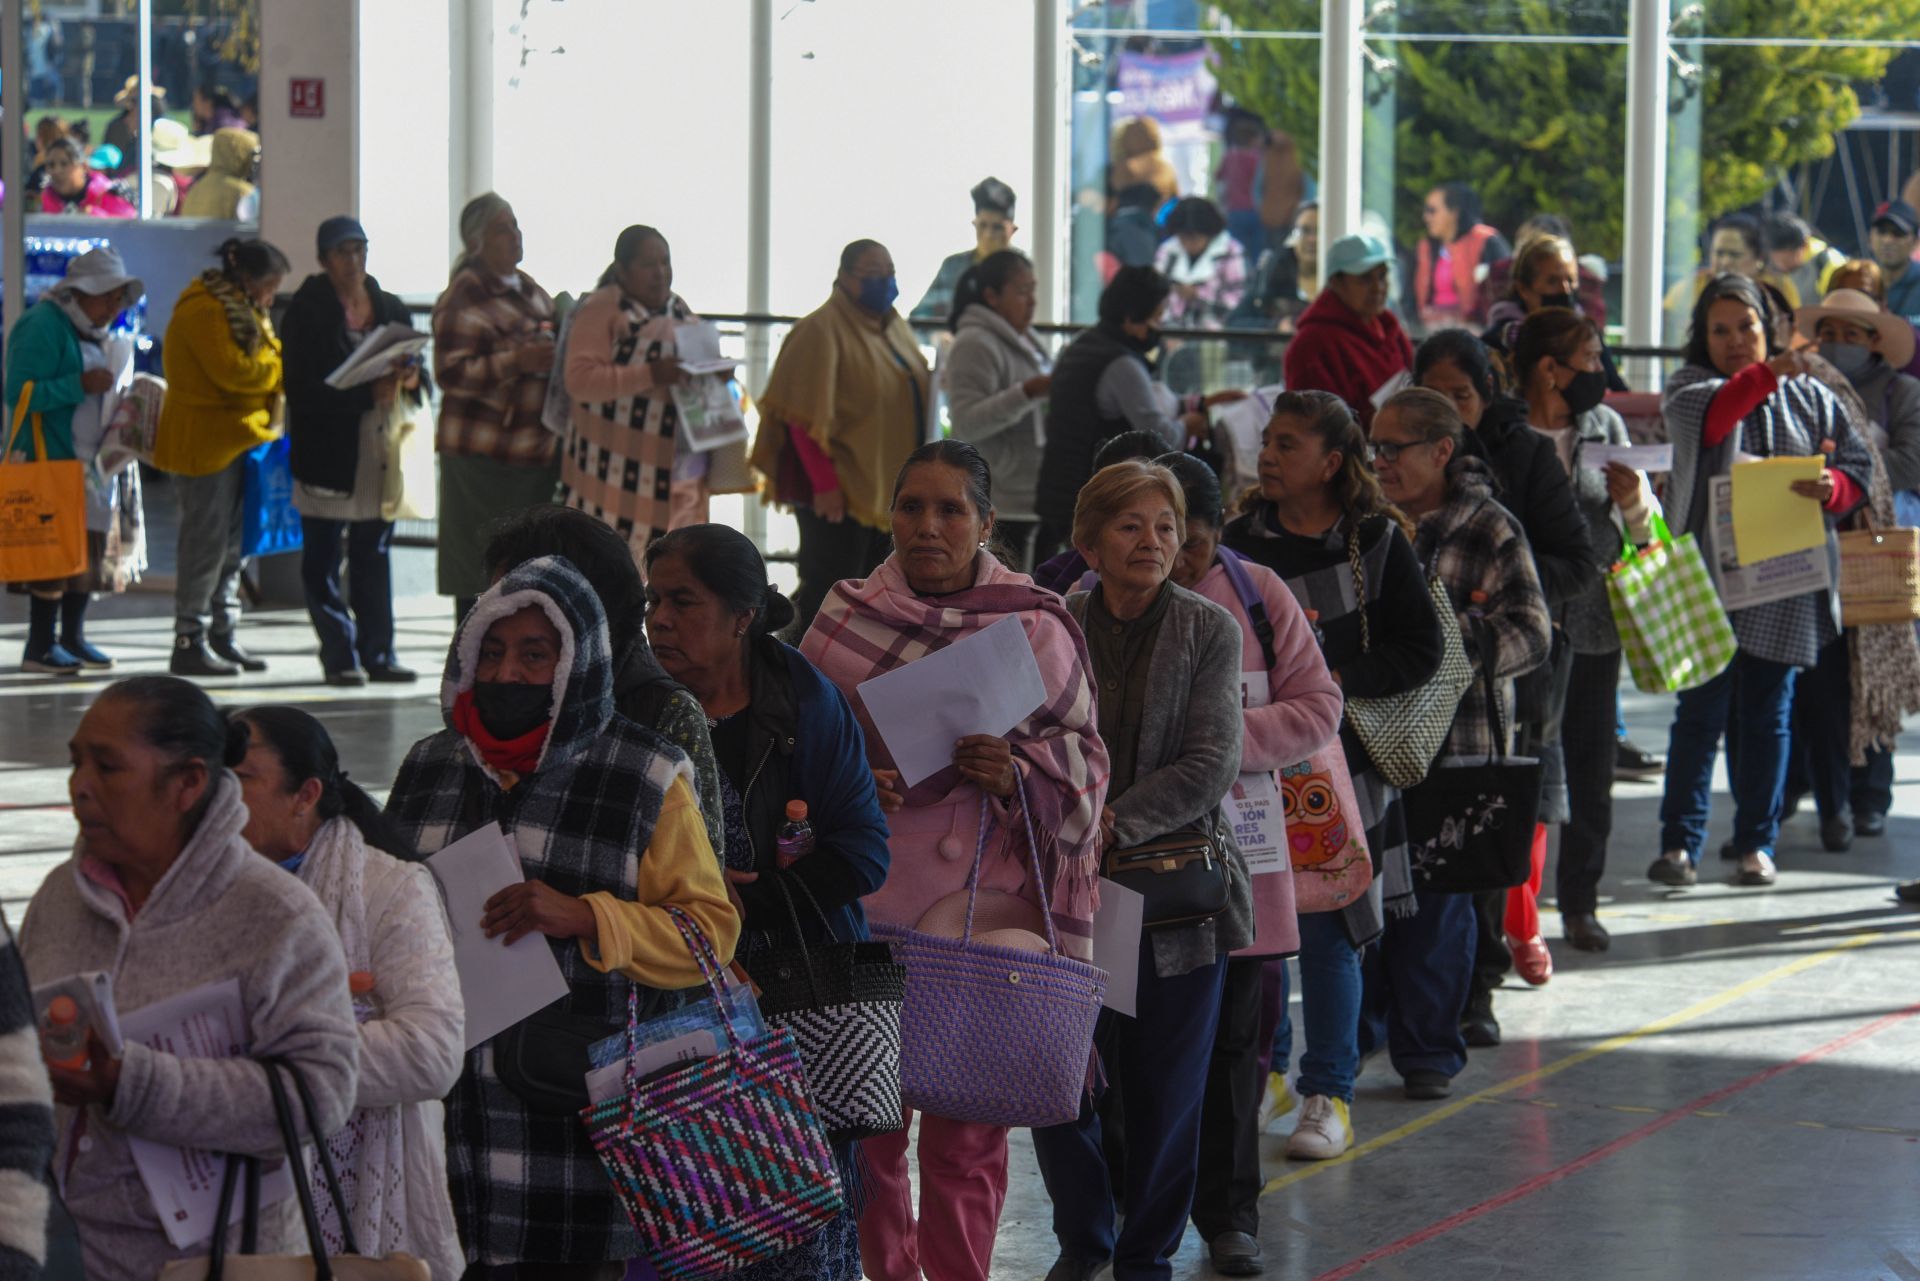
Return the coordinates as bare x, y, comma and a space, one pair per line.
246, 322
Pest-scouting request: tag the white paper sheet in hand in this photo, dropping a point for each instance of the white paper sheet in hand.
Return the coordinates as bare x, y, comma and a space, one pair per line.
184, 1183
1116, 944
1654, 458
378, 355
985, 684
696, 347
499, 985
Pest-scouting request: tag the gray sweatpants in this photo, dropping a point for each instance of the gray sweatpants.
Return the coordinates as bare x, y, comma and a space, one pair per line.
207, 584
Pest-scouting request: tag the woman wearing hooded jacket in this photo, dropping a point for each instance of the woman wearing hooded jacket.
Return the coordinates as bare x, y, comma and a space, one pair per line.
997, 379
164, 894
306, 815
601, 815
1417, 981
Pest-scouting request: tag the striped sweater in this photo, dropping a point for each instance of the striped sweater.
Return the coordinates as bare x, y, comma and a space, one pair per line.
26, 1124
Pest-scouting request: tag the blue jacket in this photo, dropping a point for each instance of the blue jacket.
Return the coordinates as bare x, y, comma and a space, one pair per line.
804, 744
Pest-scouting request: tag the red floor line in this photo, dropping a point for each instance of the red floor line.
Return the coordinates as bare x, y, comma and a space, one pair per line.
1599, 1154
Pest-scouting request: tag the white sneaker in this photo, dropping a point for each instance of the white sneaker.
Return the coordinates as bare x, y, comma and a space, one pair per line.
1323, 1131
1275, 1101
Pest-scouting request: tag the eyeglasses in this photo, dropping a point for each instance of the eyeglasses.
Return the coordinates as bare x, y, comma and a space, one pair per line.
1389, 451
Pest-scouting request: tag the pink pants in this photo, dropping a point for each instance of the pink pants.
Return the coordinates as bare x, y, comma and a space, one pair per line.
963, 1185
1523, 901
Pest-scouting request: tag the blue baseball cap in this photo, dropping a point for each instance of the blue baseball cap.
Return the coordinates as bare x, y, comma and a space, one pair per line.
1356, 255
338, 230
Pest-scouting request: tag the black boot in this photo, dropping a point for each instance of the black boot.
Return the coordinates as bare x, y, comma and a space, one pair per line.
191, 657
227, 646
73, 634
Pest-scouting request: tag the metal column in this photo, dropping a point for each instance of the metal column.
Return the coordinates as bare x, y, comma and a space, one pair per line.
13, 109
1051, 251
759, 225
147, 113
1646, 231
470, 85
1341, 81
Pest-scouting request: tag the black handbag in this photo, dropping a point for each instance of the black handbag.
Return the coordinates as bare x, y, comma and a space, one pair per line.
1182, 876
1470, 823
842, 1003
543, 1058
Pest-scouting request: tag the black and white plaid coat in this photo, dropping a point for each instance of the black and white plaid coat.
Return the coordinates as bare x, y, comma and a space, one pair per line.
1475, 545
528, 1187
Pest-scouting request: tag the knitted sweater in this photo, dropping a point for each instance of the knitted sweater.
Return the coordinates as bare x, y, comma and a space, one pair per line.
220, 912
220, 397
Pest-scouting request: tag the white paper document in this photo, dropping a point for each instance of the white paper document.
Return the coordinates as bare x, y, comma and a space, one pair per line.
379, 354
604, 1083
985, 684
1648, 458
184, 1183
1761, 583
1241, 427
499, 985
1260, 823
696, 346
1117, 924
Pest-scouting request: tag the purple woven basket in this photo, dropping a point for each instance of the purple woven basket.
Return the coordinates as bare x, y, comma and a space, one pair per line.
990, 1034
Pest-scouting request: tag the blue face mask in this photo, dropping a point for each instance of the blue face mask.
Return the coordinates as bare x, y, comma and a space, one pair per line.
878, 292
1850, 358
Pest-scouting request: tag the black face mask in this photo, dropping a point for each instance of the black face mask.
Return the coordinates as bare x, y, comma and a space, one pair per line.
1586, 391
508, 711
1558, 300
1145, 346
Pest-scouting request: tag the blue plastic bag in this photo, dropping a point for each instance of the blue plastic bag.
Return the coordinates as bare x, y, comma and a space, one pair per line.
268, 522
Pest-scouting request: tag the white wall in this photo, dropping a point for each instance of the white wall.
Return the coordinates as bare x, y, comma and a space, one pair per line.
404, 86
309, 169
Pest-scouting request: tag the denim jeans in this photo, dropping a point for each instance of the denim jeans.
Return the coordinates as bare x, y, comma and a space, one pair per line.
1415, 985
1763, 691
360, 636
1329, 1009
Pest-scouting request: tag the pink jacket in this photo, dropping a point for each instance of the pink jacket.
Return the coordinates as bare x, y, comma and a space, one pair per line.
1302, 715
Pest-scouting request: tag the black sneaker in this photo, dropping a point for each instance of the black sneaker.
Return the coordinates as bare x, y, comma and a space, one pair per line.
1869, 823
191, 657
1672, 871
392, 674
1908, 892
1632, 763
1478, 1026
227, 646
1836, 834
1428, 1085
1071, 1267
1236, 1254
347, 677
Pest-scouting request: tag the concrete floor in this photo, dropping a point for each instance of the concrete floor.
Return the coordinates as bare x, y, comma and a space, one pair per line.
1728, 1093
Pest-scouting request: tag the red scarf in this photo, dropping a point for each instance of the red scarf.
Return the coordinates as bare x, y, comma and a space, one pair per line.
508, 755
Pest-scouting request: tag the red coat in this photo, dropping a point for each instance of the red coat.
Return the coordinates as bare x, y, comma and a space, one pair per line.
1334, 350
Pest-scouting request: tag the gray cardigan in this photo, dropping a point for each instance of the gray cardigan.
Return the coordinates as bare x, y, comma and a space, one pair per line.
983, 371
1188, 761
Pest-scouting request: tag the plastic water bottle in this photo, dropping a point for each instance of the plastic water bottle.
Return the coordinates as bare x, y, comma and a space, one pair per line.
795, 839
366, 1007
63, 1034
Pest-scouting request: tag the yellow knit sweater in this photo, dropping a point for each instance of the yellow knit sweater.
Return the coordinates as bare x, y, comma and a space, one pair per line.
220, 400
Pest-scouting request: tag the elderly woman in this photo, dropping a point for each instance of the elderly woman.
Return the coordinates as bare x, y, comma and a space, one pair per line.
1167, 664
998, 377
492, 354
164, 891
782, 733
74, 188
342, 455
940, 586
846, 402
643, 692
1291, 710
1739, 394
306, 815
1347, 342
1418, 980
627, 459
600, 813
59, 348
222, 361
1317, 493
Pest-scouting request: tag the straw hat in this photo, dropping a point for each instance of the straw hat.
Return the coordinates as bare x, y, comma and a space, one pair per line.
176, 148
158, 92
1896, 335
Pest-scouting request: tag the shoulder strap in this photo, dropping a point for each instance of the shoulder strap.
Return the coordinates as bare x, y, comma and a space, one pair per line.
1357, 562
1233, 563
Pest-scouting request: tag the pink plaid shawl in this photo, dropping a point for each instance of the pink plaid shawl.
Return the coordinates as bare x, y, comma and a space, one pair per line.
867, 627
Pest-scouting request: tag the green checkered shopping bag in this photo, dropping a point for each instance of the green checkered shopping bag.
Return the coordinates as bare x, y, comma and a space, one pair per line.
1673, 628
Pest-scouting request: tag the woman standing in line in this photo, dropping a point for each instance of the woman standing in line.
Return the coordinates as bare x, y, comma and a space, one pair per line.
492, 354
222, 362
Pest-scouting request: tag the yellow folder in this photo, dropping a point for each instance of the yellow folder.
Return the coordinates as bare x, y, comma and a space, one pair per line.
1769, 519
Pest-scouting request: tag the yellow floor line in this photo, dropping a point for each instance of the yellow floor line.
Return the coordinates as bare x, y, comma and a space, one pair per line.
1608, 1046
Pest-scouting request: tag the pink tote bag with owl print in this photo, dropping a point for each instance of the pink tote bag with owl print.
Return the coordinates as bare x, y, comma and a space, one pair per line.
1325, 836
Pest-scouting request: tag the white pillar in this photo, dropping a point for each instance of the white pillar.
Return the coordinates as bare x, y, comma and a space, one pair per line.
310, 166
1341, 110
1048, 235
1646, 231
471, 88
759, 225
147, 114
13, 217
